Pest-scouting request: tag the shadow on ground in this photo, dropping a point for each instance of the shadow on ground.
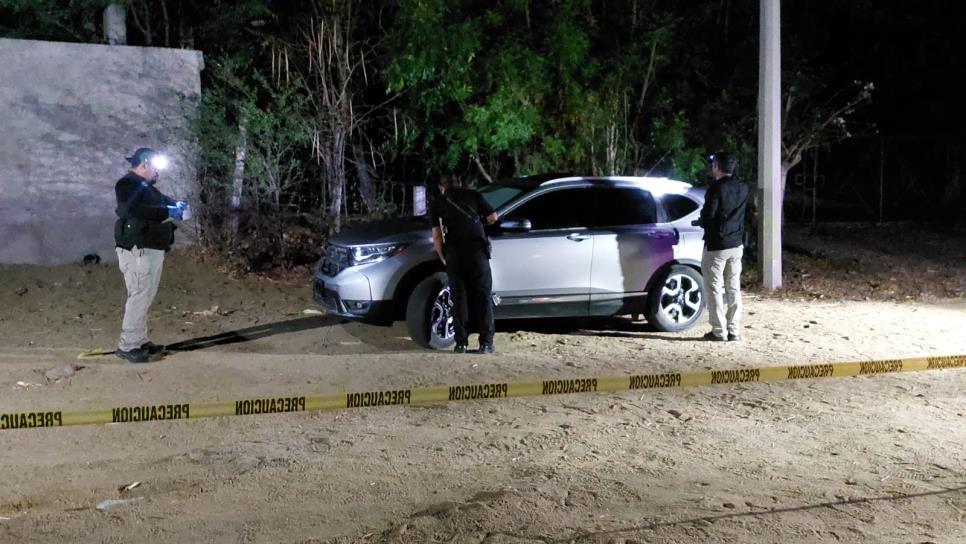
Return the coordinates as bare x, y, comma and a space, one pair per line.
256, 332
615, 327
773, 511
371, 338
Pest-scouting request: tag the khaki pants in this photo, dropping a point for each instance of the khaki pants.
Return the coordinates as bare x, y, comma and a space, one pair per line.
722, 282
142, 273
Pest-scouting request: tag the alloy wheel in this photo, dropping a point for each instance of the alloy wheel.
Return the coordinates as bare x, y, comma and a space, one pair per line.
441, 325
680, 298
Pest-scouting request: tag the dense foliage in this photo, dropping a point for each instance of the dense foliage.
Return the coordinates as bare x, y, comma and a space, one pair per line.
316, 112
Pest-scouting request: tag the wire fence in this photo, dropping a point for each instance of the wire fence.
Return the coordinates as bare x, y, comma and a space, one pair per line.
878, 180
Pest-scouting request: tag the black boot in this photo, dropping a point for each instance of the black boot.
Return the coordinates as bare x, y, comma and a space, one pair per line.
152, 348
136, 355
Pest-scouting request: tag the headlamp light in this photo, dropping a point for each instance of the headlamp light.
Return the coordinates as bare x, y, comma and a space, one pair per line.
374, 253
159, 162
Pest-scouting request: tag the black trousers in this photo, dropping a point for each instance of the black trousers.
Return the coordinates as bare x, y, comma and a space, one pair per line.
471, 285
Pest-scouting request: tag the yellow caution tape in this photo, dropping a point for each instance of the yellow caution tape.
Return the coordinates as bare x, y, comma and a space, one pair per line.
94, 353
467, 392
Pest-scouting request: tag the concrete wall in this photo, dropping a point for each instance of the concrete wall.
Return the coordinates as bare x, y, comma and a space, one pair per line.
69, 114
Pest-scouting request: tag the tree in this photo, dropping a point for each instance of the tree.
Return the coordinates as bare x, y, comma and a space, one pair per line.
336, 73
308, 106
59, 20
813, 117
264, 121
820, 98
515, 88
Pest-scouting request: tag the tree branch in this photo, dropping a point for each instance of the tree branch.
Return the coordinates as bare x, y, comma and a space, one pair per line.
648, 78
479, 166
167, 23
145, 30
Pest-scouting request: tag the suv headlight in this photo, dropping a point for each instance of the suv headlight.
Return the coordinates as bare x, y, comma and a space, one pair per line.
374, 253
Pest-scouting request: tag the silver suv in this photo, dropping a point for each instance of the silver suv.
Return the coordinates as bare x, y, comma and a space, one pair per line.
563, 247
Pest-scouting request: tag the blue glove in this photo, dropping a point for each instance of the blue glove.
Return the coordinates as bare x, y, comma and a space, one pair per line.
177, 211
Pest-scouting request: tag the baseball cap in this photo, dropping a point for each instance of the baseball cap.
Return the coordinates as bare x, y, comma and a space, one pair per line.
142, 154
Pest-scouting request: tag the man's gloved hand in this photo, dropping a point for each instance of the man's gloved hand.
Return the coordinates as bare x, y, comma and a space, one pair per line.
177, 211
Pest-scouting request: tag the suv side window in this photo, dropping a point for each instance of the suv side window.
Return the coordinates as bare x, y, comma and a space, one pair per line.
678, 206
561, 209
616, 206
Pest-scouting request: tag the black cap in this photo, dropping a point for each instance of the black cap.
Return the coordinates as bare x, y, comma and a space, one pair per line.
727, 162
142, 154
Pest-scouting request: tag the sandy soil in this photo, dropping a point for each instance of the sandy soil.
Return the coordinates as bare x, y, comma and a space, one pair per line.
865, 460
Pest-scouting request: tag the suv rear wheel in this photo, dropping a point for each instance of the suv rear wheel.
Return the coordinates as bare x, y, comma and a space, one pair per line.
677, 301
429, 313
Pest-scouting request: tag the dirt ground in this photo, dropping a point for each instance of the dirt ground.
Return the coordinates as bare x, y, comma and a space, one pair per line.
865, 460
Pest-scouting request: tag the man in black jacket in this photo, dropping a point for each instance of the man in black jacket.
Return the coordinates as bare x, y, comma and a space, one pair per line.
723, 219
144, 231
458, 217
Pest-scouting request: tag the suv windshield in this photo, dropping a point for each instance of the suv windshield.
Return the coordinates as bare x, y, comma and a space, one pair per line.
498, 195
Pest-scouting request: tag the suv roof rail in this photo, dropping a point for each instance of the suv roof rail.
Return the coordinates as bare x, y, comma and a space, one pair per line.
662, 183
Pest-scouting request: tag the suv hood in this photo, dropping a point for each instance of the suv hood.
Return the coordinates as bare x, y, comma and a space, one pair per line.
383, 231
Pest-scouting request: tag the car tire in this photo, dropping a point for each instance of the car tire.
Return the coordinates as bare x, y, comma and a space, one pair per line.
429, 313
676, 302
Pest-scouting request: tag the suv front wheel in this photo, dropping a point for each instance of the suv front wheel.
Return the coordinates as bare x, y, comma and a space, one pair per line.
429, 313
677, 300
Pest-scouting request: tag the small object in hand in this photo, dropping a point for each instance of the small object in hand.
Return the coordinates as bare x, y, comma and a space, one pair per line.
174, 212
185, 210
179, 211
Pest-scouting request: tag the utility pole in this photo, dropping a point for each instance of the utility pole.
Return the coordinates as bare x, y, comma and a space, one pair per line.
115, 25
770, 145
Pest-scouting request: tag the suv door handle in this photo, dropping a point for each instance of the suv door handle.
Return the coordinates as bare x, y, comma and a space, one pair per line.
577, 237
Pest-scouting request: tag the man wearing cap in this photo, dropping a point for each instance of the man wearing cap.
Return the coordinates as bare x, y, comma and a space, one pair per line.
723, 219
459, 237
144, 231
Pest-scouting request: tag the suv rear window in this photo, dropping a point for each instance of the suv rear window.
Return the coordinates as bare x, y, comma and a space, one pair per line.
678, 206
618, 206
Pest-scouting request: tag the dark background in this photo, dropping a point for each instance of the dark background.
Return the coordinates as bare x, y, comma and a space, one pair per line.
912, 136
903, 159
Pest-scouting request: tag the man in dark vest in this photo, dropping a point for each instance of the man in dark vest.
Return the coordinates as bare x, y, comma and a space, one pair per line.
723, 219
144, 231
458, 217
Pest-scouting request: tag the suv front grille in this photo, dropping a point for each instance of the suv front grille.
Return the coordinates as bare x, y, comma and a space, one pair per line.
335, 260
328, 298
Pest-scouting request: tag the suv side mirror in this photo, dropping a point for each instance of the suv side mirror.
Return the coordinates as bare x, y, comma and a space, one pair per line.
515, 225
